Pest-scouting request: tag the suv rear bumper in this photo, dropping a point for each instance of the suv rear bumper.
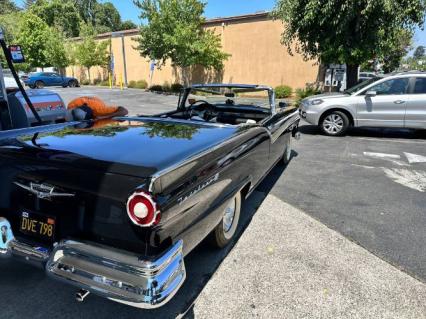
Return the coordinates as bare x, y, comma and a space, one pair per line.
114, 274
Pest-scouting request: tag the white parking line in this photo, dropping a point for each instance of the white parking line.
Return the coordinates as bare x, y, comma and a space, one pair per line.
364, 166
382, 155
414, 158
412, 179
417, 141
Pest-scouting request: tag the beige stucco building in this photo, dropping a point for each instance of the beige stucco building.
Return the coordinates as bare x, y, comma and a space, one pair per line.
253, 41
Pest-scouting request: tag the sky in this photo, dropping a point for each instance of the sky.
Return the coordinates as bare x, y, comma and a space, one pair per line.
224, 8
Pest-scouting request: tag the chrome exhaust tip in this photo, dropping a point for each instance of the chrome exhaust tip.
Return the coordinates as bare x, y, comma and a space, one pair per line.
81, 295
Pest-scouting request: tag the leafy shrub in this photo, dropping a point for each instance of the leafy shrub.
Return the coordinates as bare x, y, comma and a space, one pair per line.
167, 87
141, 84
176, 87
156, 88
97, 81
104, 83
283, 91
85, 82
306, 92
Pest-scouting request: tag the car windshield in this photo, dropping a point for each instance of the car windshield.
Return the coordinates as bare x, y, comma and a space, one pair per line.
361, 85
230, 96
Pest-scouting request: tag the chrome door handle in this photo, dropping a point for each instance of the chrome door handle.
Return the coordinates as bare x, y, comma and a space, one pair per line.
399, 102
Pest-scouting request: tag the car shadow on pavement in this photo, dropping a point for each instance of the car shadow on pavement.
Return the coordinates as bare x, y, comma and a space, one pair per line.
27, 291
370, 132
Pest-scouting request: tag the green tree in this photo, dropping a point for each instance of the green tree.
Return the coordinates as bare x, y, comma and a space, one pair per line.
104, 17
28, 3
394, 50
90, 53
56, 50
174, 32
419, 53
8, 6
67, 15
10, 23
34, 37
128, 25
346, 31
63, 15
107, 16
87, 10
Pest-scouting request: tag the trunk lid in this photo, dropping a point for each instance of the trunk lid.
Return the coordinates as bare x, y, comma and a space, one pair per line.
139, 147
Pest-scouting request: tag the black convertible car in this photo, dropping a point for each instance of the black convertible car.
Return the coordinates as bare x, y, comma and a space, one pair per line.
113, 206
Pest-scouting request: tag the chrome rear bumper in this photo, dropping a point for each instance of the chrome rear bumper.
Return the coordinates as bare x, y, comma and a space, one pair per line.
117, 275
114, 274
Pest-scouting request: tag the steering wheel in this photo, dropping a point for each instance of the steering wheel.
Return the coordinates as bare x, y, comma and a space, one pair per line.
207, 108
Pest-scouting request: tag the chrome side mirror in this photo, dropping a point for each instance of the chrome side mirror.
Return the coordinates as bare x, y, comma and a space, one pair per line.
371, 93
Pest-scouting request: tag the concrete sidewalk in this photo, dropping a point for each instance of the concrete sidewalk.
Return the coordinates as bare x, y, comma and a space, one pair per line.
288, 265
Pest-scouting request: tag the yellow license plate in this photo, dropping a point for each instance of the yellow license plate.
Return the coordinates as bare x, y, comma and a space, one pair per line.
38, 225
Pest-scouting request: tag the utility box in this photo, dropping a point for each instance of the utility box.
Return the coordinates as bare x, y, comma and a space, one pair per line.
335, 77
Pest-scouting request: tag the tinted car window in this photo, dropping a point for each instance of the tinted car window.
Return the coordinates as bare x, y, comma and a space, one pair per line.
391, 87
420, 86
361, 85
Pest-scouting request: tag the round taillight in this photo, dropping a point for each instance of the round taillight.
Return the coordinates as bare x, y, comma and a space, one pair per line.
142, 210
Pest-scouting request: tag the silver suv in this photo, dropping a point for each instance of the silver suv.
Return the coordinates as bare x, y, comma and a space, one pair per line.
397, 100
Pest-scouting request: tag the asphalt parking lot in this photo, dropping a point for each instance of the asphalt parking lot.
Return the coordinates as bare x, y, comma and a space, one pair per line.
343, 230
136, 101
370, 186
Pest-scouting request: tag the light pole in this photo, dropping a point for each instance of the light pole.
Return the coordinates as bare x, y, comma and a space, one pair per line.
120, 34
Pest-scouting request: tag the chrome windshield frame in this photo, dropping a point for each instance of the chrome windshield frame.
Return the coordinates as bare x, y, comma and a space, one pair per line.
271, 92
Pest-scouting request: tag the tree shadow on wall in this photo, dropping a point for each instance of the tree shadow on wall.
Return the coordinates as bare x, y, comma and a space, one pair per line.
197, 74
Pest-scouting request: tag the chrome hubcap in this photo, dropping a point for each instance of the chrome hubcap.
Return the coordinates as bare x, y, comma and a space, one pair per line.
228, 217
333, 124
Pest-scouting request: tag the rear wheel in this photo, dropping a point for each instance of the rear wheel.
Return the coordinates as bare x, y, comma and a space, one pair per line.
72, 84
227, 228
335, 123
39, 85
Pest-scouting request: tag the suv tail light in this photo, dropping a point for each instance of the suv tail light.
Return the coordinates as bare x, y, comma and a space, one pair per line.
142, 210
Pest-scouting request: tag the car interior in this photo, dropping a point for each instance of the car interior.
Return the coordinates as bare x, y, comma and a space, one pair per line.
223, 105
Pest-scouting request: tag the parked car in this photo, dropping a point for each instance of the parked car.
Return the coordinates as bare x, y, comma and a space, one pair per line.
113, 209
41, 79
396, 100
9, 80
10, 83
